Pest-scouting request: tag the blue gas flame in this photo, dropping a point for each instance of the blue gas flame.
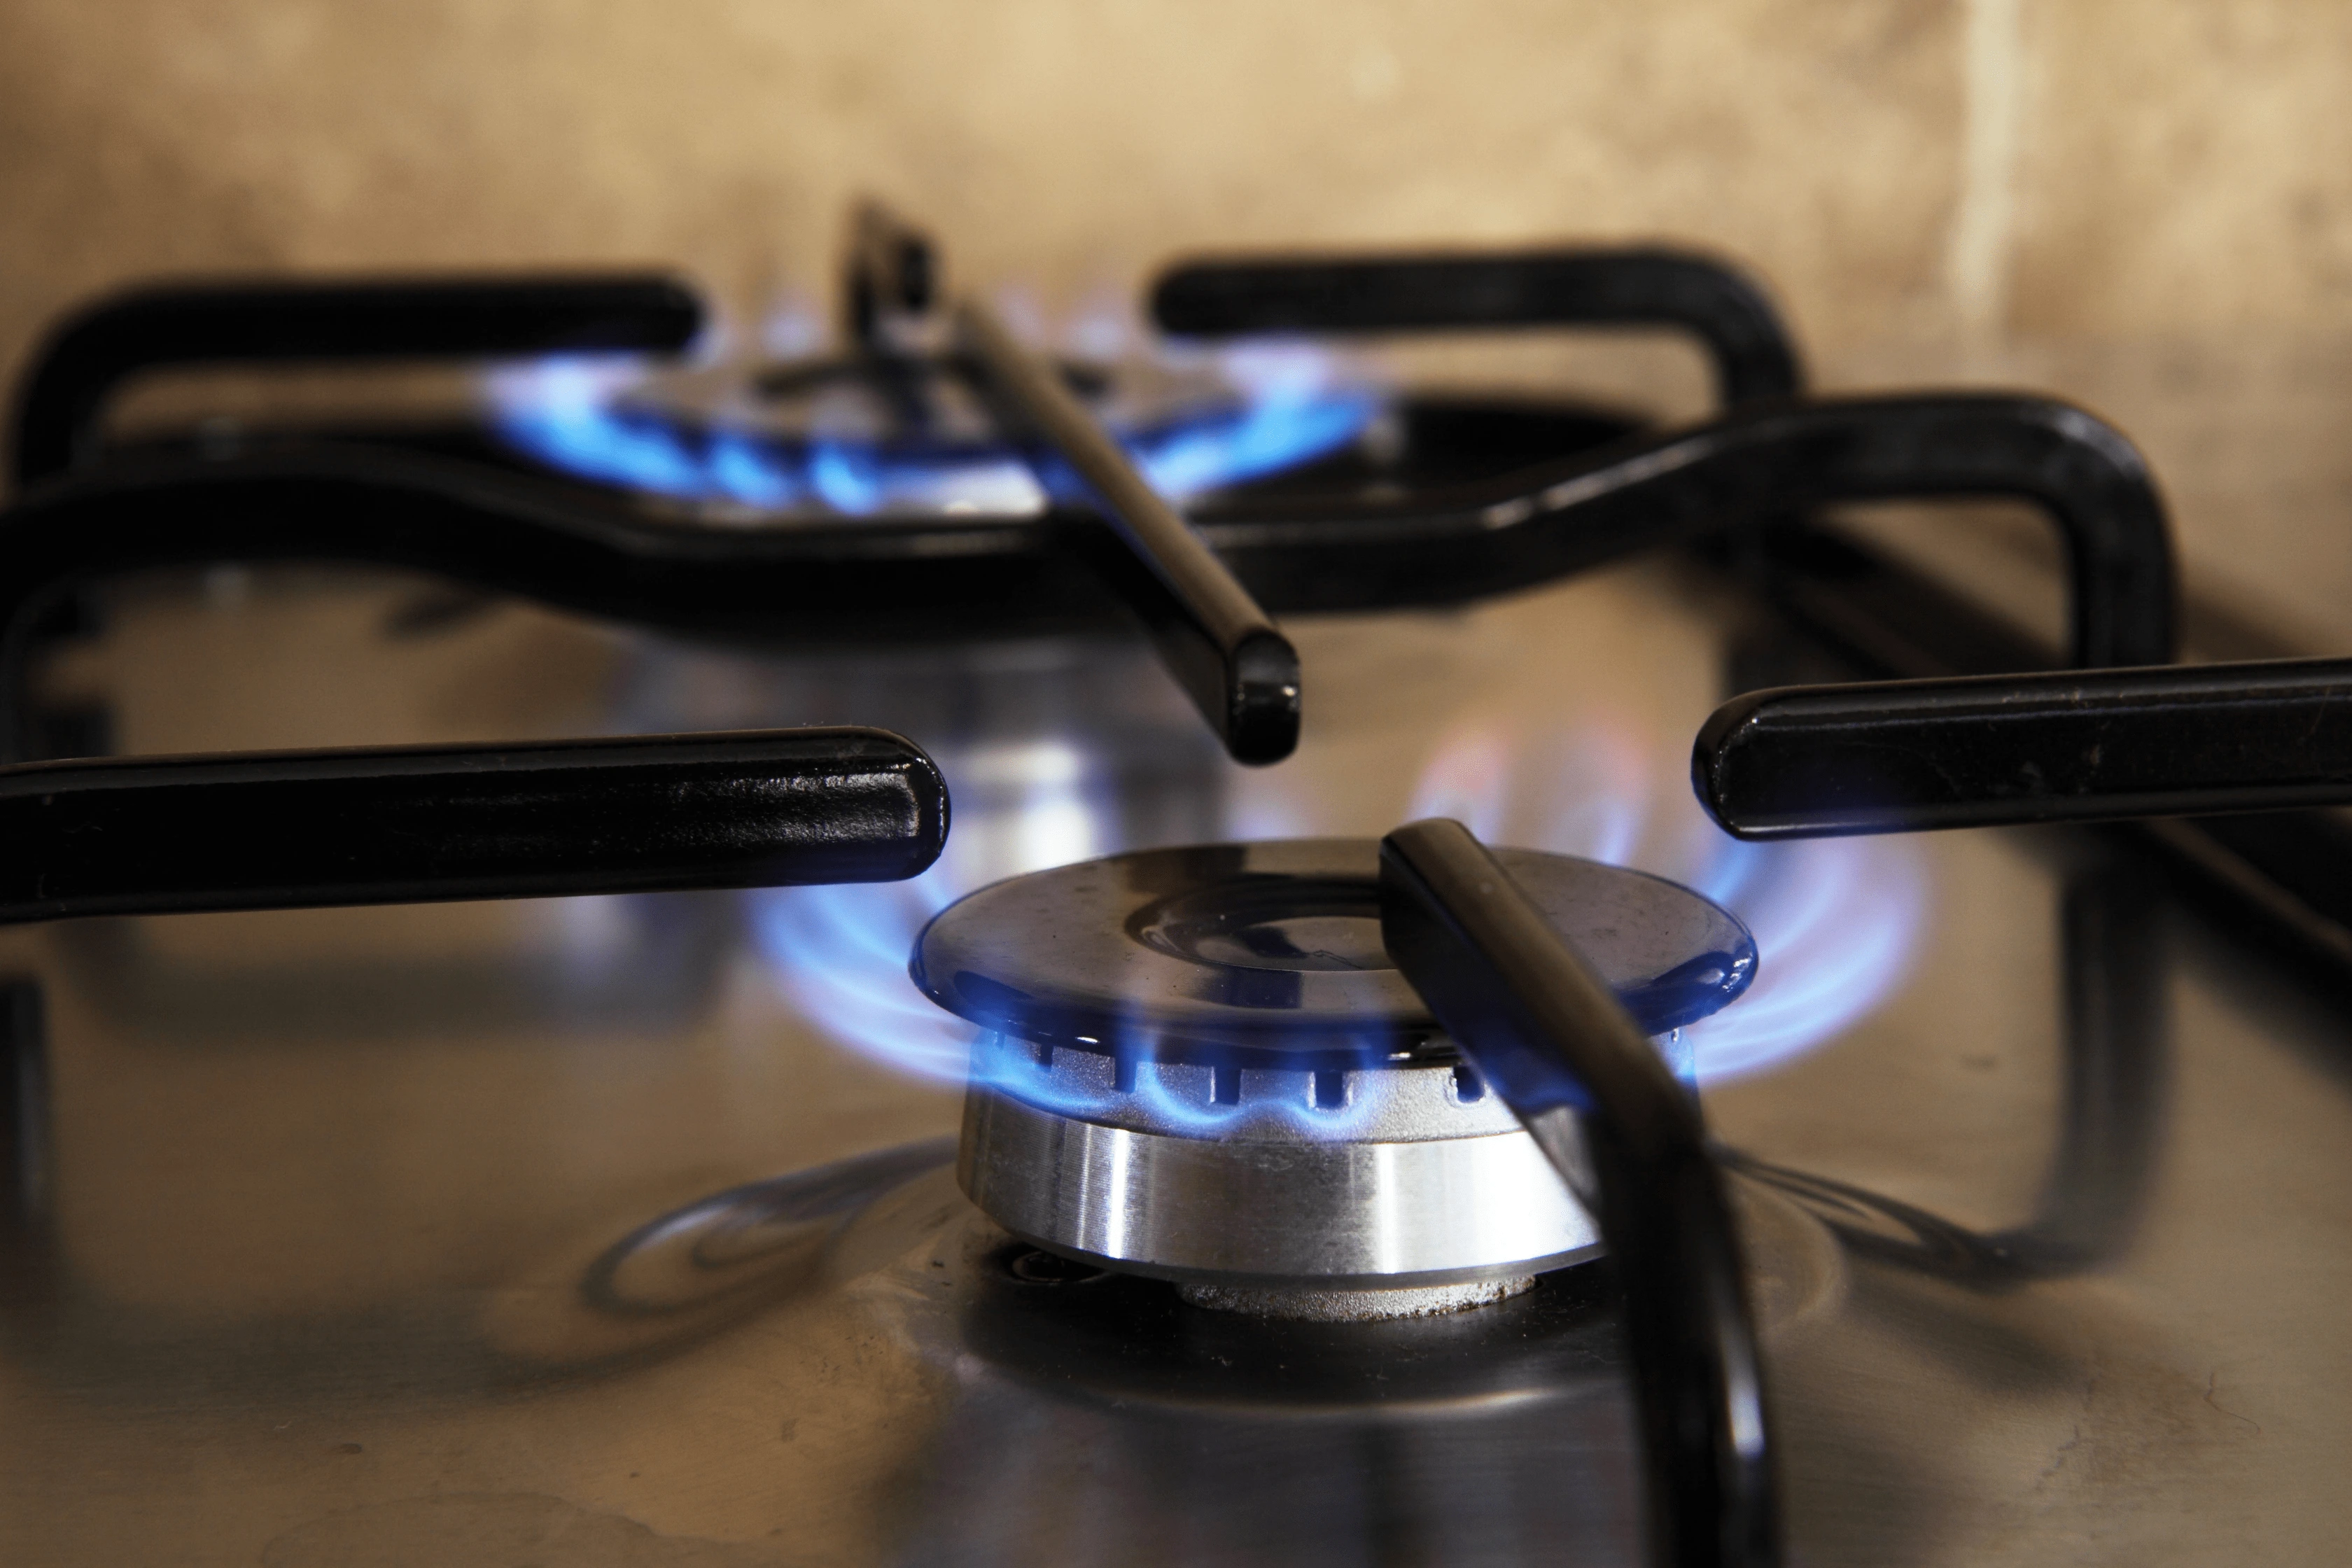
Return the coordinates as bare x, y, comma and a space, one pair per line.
841, 952
1836, 921
578, 415
1158, 1094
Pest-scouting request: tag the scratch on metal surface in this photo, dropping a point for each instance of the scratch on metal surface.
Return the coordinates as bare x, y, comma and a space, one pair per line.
2212, 1379
2049, 1470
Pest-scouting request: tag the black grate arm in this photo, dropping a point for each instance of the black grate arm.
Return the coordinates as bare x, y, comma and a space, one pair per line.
427, 824
1240, 672
893, 269
1753, 466
1599, 1101
2068, 746
1715, 301
99, 347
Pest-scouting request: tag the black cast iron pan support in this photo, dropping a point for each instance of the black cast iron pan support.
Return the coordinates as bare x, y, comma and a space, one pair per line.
93, 350
1221, 649
2280, 878
1224, 651
1548, 1034
1722, 306
2071, 746
893, 271
1746, 468
424, 823
891, 579
892, 281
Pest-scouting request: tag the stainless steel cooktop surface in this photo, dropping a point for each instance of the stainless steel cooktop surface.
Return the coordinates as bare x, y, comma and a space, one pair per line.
625, 1229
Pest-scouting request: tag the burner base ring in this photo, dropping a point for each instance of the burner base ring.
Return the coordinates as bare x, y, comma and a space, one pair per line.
1341, 1215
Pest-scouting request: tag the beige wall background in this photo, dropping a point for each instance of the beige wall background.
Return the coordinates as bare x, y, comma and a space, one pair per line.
2146, 205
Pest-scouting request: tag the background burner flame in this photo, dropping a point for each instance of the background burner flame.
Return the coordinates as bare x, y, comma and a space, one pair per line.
1274, 406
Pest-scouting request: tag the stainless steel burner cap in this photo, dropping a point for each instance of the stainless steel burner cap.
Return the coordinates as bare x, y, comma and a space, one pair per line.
1201, 1067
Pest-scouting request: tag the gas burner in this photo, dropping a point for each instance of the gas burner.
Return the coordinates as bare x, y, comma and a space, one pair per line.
904, 434
902, 423
1180, 1036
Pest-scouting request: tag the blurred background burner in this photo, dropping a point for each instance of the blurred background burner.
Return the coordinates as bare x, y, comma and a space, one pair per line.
1202, 1068
902, 433
894, 423
1218, 401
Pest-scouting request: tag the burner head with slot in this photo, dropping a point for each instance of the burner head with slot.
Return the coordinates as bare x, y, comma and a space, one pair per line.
1202, 1067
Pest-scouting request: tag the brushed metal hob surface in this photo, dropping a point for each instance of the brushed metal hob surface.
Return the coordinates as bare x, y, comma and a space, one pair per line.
405, 1235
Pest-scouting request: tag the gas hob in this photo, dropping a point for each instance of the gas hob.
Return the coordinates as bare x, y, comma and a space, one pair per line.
630, 1226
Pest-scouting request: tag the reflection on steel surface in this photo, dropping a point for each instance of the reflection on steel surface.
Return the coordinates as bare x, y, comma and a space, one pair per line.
2112, 949
695, 1269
